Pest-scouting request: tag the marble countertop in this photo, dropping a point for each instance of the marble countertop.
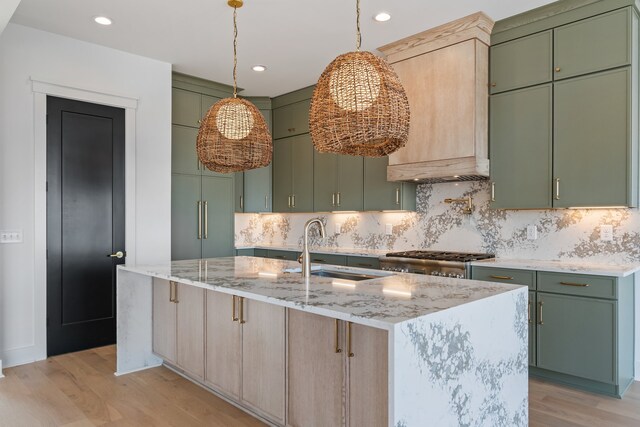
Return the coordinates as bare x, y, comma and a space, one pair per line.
325, 250
382, 302
578, 267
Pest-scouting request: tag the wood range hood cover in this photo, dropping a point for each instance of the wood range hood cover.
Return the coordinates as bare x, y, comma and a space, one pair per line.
445, 73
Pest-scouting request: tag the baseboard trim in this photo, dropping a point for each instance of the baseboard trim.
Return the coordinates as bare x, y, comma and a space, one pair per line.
21, 356
131, 371
637, 372
1, 374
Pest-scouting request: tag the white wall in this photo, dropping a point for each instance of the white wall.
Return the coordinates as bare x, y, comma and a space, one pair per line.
7, 7
26, 53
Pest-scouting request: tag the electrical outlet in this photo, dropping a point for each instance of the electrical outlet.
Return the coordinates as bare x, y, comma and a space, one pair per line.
388, 229
11, 236
338, 228
606, 233
532, 232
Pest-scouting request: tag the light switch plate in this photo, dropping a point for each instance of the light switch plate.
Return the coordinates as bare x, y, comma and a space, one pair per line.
338, 228
388, 229
11, 236
606, 233
532, 232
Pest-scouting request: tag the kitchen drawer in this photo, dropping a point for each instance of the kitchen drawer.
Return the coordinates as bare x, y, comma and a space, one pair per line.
245, 252
578, 284
288, 255
262, 253
328, 259
363, 262
505, 275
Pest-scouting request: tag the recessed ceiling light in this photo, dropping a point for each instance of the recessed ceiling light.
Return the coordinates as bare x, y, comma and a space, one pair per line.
259, 68
382, 17
102, 20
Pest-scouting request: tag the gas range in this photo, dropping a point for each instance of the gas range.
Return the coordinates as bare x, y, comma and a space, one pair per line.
434, 263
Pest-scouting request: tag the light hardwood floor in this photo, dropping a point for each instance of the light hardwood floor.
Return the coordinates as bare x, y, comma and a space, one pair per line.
79, 389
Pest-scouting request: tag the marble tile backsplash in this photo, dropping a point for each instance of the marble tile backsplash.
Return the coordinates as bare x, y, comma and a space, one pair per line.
563, 234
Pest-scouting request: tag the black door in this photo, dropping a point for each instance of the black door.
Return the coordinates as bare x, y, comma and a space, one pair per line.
85, 222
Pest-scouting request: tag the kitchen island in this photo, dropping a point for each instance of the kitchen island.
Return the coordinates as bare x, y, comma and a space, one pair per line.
454, 351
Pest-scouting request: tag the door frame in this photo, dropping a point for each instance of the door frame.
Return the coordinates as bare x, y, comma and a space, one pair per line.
41, 89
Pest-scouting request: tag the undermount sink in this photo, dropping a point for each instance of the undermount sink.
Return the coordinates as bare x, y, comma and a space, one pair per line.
356, 277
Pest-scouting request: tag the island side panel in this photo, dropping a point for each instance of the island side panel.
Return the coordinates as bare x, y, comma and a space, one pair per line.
464, 366
134, 323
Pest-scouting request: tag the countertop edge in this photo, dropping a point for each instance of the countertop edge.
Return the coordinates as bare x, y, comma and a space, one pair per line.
592, 269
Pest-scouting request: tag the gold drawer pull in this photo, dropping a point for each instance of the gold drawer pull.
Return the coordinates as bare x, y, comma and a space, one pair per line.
242, 320
540, 322
529, 312
501, 277
579, 285
319, 260
234, 317
337, 340
349, 348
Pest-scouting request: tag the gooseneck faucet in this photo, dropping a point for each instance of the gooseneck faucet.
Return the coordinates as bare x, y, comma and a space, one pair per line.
305, 257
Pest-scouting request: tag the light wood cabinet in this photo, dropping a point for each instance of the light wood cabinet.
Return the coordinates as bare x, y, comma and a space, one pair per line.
164, 320
189, 301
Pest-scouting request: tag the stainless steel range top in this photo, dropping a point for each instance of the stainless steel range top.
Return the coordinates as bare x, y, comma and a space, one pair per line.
435, 263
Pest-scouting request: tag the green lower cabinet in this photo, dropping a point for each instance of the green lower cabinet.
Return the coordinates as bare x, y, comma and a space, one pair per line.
217, 217
363, 262
293, 174
317, 258
285, 255
245, 252
521, 148
382, 195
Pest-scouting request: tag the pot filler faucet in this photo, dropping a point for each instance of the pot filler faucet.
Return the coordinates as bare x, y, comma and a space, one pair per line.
305, 257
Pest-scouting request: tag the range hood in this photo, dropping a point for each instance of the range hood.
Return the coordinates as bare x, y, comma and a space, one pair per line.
445, 72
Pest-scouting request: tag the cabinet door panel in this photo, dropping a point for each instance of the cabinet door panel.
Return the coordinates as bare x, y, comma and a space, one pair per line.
185, 194
368, 377
350, 183
190, 341
292, 119
224, 345
577, 336
379, 194
331, 259
263, 358
593, 44
521, 148
325, 172
282, 174
238, 192
592, 139
316, 371
164, 321
302, 157
522, 62
217, 237
532, 328
184, 158
185, 109
206, 102
258, 190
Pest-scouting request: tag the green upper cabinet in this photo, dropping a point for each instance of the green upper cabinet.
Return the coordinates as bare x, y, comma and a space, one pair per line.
325, 181
257, 190
291, 119
595, 156
185, 109
594, 44
206, 102
282, 174
184, 158
521, 62
293, 174
382, 195
521, 148
337, 182
238, 192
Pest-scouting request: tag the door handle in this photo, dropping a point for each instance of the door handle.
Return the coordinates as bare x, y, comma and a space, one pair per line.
206, 220
241, 202
293, 201
540, 322
266, 202
289, 201
337, 338
349, 348
199, 219
333, 199
234, 317
493, 191
173, 292
118, 255
557, 189
242, 310
397, 196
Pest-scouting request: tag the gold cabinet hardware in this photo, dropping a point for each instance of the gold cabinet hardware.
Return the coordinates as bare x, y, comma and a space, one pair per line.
234, 316
540, 322
291, 129
171, 285
266, 202
579, 285
293, 200
241, 303
337, 336
198, 163
206, 220
557, 196
493, 191
318, 260
173, 292
338, 198
118, 255
289, 201
349, 349
199, 121
333, 199
501, 277
241, 202
558, 69
493, 84
199, 219
362, 264
397, 196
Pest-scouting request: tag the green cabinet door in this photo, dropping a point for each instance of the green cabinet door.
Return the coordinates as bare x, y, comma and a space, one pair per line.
185, 108
206, 102
325, 181
520, 129
282, 174
185, 195
292, 119
577, 336
184, 158
382, 195
257, 184
594, 44
302, 177
531, 317
217, 226
526, 61
592, 141
238, 192
350, 183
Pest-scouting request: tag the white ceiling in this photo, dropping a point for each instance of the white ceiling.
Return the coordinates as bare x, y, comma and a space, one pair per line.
295, 39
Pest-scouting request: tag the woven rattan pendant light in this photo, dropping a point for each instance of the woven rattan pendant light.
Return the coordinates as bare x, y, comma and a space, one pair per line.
359, 106
233, 135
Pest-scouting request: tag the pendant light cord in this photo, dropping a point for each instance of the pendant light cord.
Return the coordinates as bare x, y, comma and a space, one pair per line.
235, 53
358, 36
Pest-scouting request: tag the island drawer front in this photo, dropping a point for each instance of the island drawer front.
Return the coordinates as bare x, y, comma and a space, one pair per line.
363, 262
505, 275
328, 259
262, 253
578, 284
245, 252
287, 255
